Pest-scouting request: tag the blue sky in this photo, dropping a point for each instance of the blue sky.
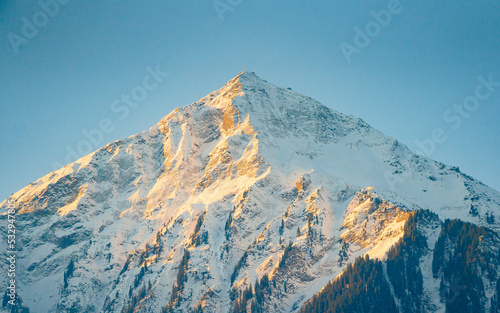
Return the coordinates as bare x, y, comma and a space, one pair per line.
60, 78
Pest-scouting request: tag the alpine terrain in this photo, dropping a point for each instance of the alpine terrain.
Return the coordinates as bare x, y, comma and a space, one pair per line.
255, 199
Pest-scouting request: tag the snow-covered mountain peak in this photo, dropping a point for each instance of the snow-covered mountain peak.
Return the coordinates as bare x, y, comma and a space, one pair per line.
248, 80
248, 77
252, 180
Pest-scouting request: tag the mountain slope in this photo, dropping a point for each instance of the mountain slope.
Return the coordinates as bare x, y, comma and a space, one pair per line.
465, 261
205, 203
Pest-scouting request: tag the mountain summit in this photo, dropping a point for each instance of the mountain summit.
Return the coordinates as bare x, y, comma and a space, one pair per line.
254, 197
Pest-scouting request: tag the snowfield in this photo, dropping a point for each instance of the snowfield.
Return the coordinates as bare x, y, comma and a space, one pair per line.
219, 178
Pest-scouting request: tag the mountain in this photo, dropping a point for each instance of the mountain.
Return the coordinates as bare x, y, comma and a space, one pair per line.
254, 198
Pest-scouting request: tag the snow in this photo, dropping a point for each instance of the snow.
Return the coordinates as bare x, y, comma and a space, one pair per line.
250, 148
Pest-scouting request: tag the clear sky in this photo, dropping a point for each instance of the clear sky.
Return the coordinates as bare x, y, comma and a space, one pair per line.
406, 70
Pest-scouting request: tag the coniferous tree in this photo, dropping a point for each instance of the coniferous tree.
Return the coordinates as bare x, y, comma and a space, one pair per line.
462, 266
282, 227
360, 288
403, 265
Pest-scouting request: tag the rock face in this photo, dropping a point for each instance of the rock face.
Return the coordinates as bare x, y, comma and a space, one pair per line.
253, 197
